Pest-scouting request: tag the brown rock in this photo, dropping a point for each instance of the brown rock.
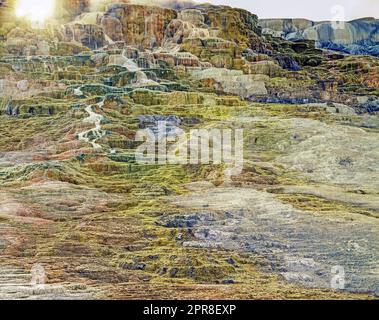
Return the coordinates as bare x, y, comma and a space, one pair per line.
193, 16
89, 35
180, 58
268, 68
141, 25
219, 52
178, 31
112, 27
237, 25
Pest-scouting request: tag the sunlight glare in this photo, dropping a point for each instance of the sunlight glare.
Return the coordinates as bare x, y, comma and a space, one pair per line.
35, 10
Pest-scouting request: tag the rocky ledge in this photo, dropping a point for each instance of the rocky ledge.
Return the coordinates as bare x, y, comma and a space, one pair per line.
76, 203
359, 37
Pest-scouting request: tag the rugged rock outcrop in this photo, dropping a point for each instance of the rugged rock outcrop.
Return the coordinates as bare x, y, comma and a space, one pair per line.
26, 43
219, 52
89, 35
136, 24
356, 37
179, 30
237, 24
76, 199
231, 81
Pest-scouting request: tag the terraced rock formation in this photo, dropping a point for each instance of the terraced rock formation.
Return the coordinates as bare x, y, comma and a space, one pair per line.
355, 37
74, 200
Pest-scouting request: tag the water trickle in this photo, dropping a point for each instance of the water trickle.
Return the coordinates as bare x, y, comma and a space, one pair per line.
96, 133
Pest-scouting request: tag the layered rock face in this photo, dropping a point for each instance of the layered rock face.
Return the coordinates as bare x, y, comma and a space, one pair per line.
91, 36
355, 37
238, 25
189, 24
78, 205
137, 25
232, 82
